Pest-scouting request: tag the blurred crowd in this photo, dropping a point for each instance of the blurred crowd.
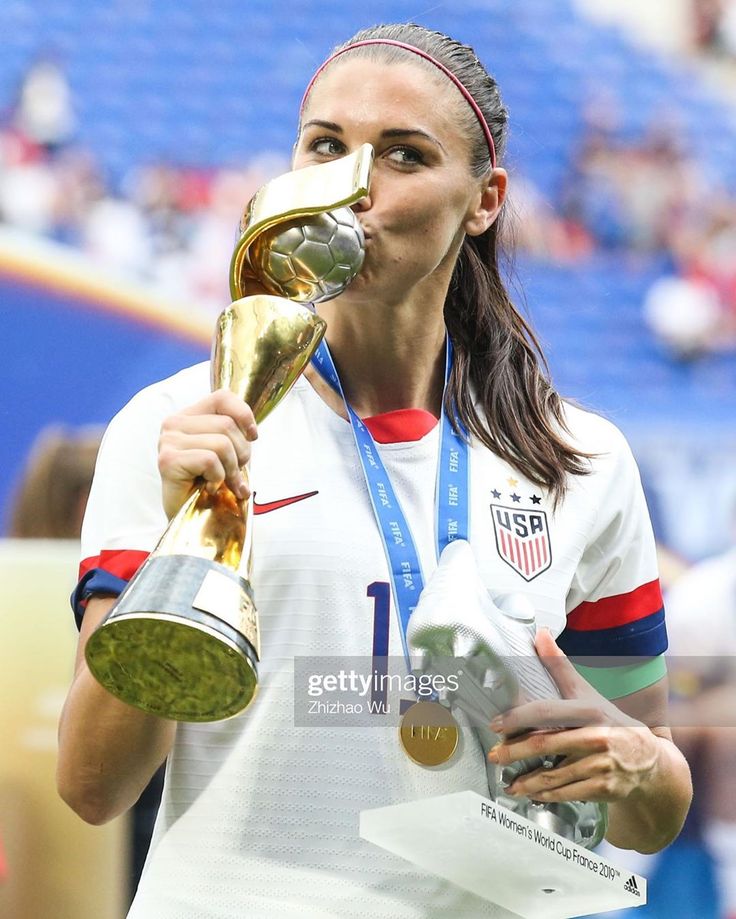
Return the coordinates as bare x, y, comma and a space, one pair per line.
647, 197
173, 228
714, 27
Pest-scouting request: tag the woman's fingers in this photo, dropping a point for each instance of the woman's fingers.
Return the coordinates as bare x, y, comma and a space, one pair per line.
613, 758
597, 768
209, 440
593, 778
594, 788
214, 457
549, 713
576, 743
226, 403
566, 677
605, 754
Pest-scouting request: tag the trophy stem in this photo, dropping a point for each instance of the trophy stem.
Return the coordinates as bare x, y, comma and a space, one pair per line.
182, 641
211, 526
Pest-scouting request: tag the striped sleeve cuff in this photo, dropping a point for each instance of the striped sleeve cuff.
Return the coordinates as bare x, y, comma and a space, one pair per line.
107, 573
614, 682
623, 625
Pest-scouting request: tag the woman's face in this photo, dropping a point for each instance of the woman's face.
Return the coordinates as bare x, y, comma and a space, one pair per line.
423, 197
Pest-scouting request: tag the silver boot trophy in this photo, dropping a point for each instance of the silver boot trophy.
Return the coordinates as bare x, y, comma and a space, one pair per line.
459, 628
535, 860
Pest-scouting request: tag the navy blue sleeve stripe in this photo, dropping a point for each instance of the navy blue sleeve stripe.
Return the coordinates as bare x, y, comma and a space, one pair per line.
95, 581
646, 637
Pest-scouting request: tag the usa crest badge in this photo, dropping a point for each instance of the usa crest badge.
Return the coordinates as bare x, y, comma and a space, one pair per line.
522, 539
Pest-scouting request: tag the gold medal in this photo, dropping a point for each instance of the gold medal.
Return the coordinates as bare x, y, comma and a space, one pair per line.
429, 734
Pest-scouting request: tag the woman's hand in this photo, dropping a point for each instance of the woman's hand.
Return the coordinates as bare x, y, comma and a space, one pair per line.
607, 754
210, 440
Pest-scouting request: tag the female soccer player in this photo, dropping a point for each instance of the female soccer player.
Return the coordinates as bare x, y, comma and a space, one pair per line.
260, 818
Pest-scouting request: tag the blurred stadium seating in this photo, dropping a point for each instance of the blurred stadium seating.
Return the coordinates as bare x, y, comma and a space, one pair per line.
169, 81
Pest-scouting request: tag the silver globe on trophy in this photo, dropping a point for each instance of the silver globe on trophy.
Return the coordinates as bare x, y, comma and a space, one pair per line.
182, 640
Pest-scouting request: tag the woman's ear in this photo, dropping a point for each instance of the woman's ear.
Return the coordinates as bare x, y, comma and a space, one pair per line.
487, 204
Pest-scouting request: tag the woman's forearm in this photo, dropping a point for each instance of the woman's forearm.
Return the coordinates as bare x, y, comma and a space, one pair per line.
652, 815
108, 750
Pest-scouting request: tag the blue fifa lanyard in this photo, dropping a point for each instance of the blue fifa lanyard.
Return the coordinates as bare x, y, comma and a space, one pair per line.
451, 496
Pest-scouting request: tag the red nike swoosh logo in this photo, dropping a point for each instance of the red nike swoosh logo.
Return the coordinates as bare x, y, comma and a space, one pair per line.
282, 502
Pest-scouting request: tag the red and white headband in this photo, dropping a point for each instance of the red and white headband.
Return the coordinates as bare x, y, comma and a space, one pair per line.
427, 57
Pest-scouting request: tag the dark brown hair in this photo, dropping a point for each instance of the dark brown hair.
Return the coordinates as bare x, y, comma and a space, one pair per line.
498, 361
50, 499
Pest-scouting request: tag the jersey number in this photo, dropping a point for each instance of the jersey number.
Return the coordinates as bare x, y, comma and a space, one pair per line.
380, 593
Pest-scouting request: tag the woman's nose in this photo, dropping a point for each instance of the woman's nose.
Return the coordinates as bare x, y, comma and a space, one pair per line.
362, 204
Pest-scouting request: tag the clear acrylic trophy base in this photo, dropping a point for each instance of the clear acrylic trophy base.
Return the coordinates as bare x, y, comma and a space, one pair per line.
507, 859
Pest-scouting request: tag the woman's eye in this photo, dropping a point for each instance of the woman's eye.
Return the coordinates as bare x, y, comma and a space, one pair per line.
327, 146
405, 156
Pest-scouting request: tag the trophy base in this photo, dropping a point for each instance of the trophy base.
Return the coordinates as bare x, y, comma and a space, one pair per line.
164, 649
502, 857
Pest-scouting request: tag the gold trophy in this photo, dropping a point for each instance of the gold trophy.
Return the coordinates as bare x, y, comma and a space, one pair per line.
182, 640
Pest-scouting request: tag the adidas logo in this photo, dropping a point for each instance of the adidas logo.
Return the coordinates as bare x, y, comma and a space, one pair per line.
631, 887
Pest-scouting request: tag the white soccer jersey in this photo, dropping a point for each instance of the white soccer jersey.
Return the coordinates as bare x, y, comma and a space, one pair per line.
259, 817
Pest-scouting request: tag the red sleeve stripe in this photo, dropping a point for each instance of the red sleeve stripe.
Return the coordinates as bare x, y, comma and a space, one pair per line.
123, 563
620, 609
